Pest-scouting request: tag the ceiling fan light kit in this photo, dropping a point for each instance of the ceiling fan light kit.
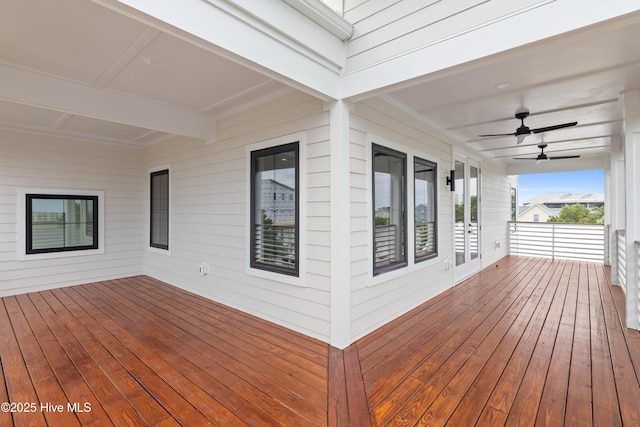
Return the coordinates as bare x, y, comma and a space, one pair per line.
523, 131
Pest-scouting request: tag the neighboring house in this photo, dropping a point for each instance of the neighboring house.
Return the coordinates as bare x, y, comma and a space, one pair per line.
159, 120
535, 213
278, 202
540, 208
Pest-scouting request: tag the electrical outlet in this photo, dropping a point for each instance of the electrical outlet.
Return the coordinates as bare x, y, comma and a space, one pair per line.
204, 268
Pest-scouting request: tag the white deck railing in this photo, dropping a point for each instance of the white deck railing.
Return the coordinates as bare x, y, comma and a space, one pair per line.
580, 242
621, 255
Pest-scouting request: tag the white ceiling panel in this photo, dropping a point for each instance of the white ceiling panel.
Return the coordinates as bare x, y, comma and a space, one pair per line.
188, 76
576, 77
75, 39
28, 116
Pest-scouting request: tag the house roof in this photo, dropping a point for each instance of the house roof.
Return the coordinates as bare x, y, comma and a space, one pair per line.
524, 209
566, 198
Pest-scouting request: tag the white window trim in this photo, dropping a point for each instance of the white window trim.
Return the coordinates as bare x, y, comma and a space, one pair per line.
412, 265
21, 251
150, 248
301, 138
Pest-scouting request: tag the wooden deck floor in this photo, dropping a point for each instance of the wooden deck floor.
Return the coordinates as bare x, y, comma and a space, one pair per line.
528, 342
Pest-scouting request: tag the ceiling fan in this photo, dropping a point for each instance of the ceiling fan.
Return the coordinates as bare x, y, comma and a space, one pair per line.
543, 156
523, 131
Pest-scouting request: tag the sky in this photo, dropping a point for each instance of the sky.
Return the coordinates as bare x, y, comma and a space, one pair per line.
532, 185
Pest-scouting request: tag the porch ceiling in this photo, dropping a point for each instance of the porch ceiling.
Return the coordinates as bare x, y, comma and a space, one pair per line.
120, 78
78, 69
578, 76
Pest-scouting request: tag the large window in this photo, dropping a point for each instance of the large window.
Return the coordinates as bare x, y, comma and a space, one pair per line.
389, 209
59, 223
274, 209
159, 221
425, 196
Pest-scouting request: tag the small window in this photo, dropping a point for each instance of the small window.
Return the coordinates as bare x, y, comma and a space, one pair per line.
536, 217
425, 209
274, 220
159, 221
59, 223
389, 209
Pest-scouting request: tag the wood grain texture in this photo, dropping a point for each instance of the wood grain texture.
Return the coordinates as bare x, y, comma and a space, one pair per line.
527, 342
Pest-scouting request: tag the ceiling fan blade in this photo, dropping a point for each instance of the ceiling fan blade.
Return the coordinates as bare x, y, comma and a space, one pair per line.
563, 157
525, 158
548, 128
499, 134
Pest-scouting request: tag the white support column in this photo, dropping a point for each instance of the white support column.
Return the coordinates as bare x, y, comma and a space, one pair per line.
608, 250
616, 192
632, 171
340, 225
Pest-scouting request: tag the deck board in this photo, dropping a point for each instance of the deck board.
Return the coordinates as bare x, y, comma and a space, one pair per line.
527, 341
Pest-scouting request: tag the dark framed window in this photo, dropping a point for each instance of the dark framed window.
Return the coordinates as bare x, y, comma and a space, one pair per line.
389, 209
59, 223
159, 221
274, 209
425, 209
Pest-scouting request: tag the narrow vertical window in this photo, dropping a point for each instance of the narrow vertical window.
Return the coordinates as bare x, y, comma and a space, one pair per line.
425, 209
389, 209
159, 221
58, 223
274, 220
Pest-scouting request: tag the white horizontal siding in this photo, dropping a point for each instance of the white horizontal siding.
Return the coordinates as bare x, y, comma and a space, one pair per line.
29, 161
495, 212
376, 301
386, 29
209, 215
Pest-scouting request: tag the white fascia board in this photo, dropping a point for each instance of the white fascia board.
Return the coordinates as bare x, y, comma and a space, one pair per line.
542, 21
326, 17
267, 36
43, 91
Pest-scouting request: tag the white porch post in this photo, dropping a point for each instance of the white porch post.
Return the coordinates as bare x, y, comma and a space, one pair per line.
632, 170
340, 225
615, 209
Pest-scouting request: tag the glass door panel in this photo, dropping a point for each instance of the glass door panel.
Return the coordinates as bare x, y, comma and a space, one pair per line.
459, 196
473, 212
467, 217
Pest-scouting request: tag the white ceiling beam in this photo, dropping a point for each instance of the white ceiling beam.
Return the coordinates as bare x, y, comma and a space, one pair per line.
38, 90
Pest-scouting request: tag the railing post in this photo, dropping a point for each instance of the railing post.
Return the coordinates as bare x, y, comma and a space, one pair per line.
606, 250
553, 241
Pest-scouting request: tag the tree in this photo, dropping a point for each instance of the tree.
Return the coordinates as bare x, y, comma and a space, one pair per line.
579, 214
